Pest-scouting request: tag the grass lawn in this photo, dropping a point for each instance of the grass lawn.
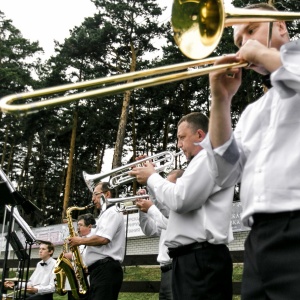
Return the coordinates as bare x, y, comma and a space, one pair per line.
144, 273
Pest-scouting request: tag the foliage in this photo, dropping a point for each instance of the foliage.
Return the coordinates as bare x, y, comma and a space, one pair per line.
118, 39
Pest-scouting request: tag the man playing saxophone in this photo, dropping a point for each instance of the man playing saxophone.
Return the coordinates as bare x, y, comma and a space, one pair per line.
105, 248
85, 225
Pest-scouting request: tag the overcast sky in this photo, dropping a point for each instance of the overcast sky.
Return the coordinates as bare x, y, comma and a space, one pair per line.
49, 20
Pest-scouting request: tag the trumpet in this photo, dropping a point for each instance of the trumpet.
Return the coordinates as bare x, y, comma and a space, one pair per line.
198, 27
127, 204
120, 176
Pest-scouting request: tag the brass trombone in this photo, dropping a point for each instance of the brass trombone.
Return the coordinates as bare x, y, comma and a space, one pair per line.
7, 106
120, 176
198, 26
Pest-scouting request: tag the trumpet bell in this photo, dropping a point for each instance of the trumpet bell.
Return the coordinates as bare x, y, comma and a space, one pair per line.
119, 176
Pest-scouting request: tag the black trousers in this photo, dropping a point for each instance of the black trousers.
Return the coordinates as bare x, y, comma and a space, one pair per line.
204, 273
106, 281
272, 258
165, 291
39, 296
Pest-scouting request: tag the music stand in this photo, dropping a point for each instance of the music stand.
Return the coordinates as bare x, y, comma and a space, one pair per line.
9, 196
22, 256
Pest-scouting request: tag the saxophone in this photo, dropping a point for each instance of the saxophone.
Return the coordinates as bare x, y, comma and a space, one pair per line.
77, 273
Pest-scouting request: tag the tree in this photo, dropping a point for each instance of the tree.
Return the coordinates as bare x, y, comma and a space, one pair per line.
130, 28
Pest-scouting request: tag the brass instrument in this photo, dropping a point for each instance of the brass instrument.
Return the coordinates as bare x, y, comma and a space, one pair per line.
119, 176
198, 26
76, 273
126, 204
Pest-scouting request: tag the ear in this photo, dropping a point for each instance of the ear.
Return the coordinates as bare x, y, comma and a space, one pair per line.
282, 27
201, 134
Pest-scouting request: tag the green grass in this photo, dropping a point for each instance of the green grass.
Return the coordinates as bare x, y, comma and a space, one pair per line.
150, 273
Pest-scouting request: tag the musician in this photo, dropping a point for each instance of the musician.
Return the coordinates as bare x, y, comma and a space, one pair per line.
41, 283
153, 222
85, 224
263, 153
105, 249
199, 226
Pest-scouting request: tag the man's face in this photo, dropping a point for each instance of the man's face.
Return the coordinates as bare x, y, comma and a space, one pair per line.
260, 32
44, 253
187, 136
96, 198
82, 229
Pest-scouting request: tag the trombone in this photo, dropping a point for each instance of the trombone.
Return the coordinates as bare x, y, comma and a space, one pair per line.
120, 176
7, 106
198, 26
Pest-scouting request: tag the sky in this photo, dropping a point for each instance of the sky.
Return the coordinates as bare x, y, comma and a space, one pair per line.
49, 20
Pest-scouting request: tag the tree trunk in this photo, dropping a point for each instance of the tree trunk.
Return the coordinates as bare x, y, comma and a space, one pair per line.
26, 162
4, 147
70, 165
117, 158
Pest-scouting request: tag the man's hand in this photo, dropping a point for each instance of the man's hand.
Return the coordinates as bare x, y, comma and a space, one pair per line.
224, 83
68, 255
262, 59
9, 284
75, 241
32, 290
143, 204
143, 173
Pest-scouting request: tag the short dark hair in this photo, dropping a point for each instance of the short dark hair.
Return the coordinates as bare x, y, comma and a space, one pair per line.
49, 245
106, 187
196, 120
263, 6
87, 218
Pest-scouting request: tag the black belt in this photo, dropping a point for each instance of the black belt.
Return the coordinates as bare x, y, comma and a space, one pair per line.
182, 250
98, 263
166, 268
260, 217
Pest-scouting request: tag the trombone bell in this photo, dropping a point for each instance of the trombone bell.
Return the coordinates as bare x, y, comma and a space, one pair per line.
198, 25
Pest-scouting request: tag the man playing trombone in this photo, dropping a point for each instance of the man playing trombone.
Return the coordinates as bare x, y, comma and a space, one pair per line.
263, 153
199, 226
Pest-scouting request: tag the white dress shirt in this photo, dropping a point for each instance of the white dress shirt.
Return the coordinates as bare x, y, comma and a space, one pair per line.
199, 209
154, 223
109, 225
263, 153
43, 277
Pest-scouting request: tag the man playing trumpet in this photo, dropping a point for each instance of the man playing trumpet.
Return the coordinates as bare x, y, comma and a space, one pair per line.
153, 222
199, 226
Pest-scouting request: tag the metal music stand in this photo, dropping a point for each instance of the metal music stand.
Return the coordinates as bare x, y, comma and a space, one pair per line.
22, 256
10, 197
